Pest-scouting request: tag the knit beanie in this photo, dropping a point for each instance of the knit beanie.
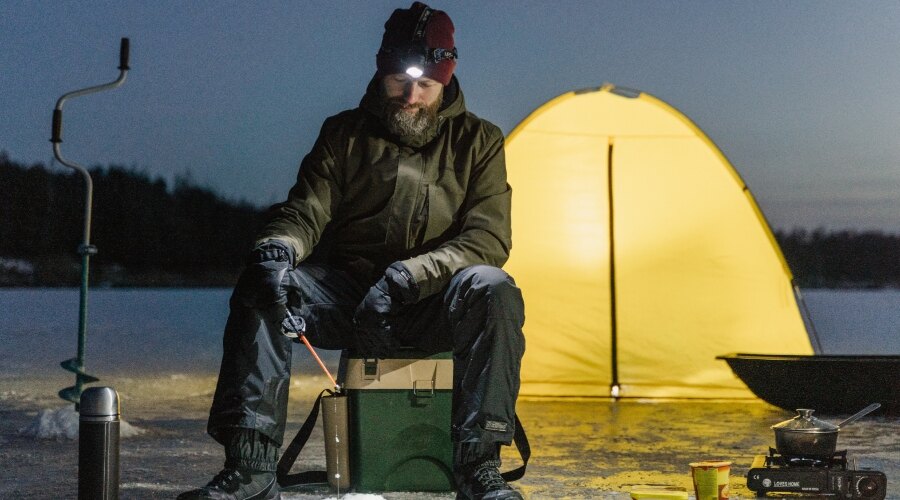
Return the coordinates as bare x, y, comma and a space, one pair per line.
419, 36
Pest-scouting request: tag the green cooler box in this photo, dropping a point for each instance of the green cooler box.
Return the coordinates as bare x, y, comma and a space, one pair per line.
399, 421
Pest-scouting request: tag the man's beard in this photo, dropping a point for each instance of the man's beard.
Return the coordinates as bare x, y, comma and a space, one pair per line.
402, 123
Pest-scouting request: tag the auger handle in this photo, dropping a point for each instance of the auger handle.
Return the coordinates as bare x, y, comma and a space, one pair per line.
56, 137
123, 54
57, 127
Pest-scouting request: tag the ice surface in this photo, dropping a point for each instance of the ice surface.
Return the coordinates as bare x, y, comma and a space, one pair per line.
161, 348
582, 449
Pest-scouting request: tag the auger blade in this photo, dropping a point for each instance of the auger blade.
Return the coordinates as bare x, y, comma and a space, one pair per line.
71, 394
72, 366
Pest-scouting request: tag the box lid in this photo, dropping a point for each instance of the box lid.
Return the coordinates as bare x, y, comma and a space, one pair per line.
419, 374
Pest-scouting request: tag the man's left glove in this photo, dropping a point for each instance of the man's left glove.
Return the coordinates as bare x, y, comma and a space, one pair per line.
261, 284
384, 300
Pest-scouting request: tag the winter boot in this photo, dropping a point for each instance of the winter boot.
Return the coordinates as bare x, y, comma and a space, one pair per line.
250, 462
476, 468
237, 484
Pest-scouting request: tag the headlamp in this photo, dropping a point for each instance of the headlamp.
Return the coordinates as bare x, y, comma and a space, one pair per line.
412, 59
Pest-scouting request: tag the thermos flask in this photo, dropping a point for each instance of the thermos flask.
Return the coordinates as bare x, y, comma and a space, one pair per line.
98, 444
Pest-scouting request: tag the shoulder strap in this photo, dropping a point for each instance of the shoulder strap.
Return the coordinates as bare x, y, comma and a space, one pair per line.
290, 453
524, 448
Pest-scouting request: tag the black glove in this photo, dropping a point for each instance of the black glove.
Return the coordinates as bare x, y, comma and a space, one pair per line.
261, 284
383, 301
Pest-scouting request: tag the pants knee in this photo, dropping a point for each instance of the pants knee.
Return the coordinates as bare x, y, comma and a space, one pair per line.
497, 290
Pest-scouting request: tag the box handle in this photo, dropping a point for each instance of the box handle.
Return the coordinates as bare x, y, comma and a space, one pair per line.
423, 388
370, 368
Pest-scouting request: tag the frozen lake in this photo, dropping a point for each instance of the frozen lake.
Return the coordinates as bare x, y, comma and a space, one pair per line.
179, 330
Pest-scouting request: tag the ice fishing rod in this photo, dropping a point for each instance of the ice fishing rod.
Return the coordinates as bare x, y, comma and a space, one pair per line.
295, 327
76, 364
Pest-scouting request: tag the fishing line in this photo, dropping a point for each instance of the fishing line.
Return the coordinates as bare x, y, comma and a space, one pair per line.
337, 451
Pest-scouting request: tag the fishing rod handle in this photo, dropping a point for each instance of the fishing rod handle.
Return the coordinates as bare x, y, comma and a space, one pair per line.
123, 54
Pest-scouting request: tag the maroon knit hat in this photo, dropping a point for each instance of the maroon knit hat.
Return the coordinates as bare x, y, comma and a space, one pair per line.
418, 35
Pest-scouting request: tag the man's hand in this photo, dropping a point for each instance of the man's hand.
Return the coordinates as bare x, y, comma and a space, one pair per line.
261, 284
375, 313
373, 328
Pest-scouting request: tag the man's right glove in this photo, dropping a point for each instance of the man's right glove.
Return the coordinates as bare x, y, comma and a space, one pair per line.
261, 285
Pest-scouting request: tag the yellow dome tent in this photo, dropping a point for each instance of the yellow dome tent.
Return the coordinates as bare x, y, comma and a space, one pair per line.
640, 252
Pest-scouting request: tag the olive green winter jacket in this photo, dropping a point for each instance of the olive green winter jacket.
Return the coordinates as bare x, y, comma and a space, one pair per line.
364, 198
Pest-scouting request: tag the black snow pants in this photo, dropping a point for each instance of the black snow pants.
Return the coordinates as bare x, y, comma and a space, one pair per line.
479, 316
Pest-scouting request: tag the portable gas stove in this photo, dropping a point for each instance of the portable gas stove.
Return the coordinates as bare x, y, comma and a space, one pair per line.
835, 476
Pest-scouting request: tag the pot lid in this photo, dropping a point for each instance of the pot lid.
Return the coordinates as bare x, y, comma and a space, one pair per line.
806, 422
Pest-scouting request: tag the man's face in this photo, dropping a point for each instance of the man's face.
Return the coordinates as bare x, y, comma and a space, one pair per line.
414, 92
411, 104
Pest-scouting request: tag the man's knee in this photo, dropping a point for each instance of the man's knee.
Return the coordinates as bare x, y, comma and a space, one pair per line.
496, 289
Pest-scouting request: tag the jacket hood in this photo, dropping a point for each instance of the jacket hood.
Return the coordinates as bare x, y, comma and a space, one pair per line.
453, 105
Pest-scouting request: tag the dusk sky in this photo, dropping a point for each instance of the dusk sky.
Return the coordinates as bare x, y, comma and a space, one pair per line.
803, 97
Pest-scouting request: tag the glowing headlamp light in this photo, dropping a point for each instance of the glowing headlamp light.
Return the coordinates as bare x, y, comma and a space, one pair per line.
413, 58
413, 61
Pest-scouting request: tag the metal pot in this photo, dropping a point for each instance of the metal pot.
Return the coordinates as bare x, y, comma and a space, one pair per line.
809, 437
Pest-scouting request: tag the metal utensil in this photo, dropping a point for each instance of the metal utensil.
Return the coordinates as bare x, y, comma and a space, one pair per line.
860, 414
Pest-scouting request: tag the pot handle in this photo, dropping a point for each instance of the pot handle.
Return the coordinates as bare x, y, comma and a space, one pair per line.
860, 414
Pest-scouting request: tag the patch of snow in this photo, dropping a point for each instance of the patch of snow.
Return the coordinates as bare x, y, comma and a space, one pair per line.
54, 424
357, 496
150, 486
15, 396
127, 430
62, 423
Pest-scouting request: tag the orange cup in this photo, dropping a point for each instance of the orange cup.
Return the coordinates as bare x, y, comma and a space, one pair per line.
711, 479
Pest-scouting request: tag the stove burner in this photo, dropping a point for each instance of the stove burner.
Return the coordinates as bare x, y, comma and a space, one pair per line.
836, 461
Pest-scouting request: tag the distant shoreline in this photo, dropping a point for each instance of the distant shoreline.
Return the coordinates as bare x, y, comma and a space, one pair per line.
206, 286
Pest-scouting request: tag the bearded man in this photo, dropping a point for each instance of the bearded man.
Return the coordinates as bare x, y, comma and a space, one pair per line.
394, 234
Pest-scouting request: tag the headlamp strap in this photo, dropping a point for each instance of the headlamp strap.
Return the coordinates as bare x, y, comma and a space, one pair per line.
432, 55
419, 33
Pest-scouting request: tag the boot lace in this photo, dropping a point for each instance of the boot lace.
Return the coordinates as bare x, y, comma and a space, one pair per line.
489, 476
225, 480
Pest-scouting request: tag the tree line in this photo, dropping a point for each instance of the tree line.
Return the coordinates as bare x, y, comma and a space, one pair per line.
842, 259
147, 233
151, 234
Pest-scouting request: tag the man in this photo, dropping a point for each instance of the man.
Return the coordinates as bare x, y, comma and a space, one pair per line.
393, 234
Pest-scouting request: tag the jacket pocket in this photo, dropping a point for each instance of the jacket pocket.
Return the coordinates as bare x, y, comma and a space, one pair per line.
441, 215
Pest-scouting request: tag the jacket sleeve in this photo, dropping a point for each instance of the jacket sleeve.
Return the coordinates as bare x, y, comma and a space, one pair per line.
485, 235
311, 202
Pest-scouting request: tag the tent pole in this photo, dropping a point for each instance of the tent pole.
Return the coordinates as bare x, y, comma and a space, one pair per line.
614, 344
